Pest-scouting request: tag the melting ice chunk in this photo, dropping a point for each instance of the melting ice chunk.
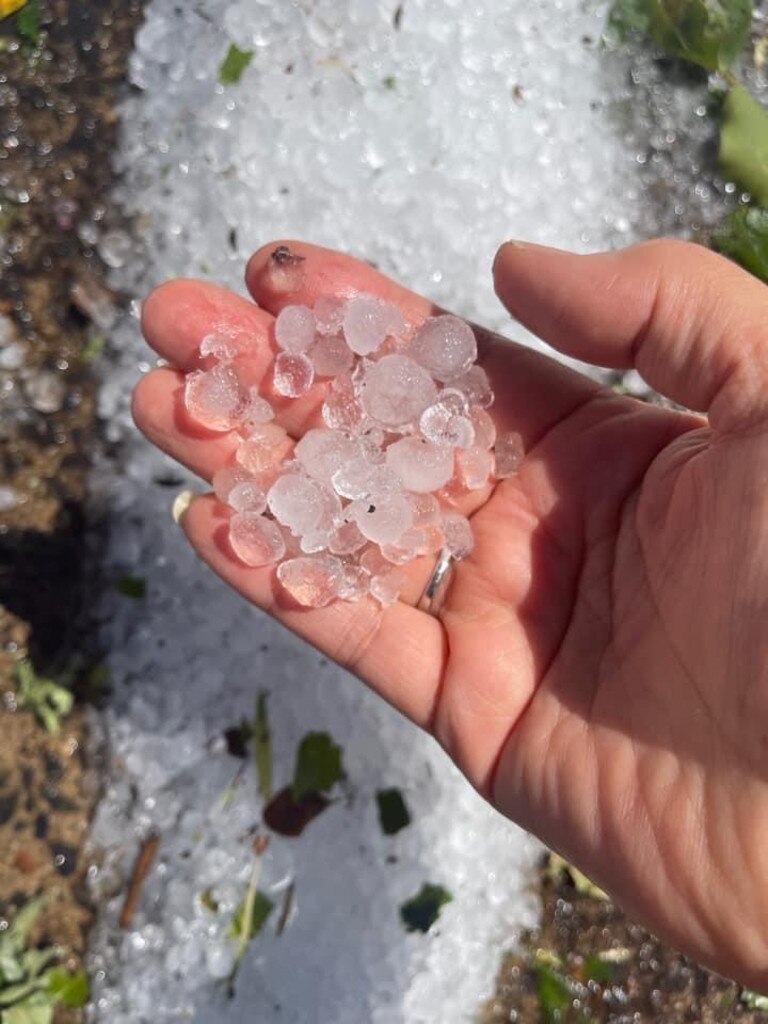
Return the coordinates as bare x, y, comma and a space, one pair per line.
397, 390
312, 581
446, 346
295, 329
368, 321
509, 454
255, 539
419, 464
293, 374
214, 398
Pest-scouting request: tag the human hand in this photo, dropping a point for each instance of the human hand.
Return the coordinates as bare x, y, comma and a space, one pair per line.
599, 669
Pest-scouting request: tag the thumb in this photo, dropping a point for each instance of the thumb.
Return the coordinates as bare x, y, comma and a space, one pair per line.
692, 323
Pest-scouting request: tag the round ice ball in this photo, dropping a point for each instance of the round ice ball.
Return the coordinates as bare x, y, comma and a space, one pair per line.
446, 346
368, 321
312, 581
214, 398
321, 452
397, 390
383, 519
295, 329
420, 465
255, 539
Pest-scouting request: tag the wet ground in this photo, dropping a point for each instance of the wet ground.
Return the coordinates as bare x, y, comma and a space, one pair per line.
58, 87
58, 83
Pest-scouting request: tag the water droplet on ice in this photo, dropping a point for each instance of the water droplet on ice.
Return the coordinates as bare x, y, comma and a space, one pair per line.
295, 329
446, 346
293, 374
255, 539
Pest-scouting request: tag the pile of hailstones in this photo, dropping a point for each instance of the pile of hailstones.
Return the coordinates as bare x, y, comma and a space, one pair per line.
406, 433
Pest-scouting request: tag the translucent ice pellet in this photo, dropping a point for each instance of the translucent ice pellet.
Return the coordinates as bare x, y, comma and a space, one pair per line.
255, 411
264, 450
397, 390
383, 520
458, 534
509, 454
295, 329
474, 384
386, 588
247, 496
214, 398
419, 464
255, 539
329, 314
368, 321
227, 477
353, 583
446, 346
444, 427
346, 539
296, 502
330, 355
485, 428
474, 466
311, 581
293, 374
342, 409
321, 452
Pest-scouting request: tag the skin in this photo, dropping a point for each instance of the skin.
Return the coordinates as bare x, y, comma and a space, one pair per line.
599, 670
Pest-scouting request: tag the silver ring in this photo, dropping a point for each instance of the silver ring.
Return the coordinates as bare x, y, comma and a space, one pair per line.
434, 593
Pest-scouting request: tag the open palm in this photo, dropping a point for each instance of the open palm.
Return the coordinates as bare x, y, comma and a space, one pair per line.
600, 667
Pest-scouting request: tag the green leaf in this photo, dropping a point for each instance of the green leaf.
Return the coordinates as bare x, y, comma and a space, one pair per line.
131, 586
234, 64
11, 995
419, 913
743, 237
250, 916
753, 1000
596, 968
23, 922
48, 701
744, 143
262, 748
318, 765
34, 961
93, 348
33, 1011
710, 33
69, 988
393, 813
554, 991
28, 22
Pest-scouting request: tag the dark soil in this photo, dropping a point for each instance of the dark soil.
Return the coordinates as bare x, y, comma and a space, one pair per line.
604, 968
58, 89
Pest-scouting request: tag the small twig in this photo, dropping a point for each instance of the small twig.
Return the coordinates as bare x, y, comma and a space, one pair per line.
286, 909
141, 868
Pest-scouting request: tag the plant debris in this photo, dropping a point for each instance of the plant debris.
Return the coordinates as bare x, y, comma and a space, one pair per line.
420, 912
234, 64
393, 812
48, 701
141, 868
318, 765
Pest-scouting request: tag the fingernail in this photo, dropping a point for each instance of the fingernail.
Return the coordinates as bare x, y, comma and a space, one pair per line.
516, 244
181, 503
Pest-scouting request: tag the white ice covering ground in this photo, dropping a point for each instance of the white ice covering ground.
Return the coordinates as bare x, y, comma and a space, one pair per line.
420, 148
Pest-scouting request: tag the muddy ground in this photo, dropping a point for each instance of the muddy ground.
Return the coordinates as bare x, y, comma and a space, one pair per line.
587, 962
58, 85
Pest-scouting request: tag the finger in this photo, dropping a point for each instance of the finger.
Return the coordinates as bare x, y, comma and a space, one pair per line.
533, 393
692, 323
159, 412
179, 314
398, 651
